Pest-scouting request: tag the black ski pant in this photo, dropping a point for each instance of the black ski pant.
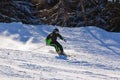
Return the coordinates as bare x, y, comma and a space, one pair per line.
58, 47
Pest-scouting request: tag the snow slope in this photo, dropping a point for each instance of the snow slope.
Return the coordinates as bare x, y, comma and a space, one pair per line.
95, 53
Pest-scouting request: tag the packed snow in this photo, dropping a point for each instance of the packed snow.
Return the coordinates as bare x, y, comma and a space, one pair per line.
94, 53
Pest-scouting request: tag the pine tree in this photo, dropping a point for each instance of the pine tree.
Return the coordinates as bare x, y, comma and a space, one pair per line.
83, 12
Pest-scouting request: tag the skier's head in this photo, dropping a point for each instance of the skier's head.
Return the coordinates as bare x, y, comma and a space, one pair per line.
56, 30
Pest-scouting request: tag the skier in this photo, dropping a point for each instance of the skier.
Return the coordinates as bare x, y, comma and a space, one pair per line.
52, 41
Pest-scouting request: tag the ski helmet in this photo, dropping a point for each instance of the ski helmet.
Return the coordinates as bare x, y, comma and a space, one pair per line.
56, 30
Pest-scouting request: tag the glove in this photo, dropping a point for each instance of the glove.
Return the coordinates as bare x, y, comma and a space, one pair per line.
65, 40
46, 44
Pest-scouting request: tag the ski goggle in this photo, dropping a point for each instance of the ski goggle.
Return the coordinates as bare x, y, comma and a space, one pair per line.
57, 32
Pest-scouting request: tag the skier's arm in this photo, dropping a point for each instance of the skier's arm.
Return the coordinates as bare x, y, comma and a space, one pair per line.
61, 37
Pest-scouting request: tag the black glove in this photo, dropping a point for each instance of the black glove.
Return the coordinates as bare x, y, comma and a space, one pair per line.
46, 44
65, 40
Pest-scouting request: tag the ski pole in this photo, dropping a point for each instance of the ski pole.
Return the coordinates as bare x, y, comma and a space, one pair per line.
37, 48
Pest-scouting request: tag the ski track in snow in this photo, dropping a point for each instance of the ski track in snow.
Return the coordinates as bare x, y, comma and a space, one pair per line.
95, 54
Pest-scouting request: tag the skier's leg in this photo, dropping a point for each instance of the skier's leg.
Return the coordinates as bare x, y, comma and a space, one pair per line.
60, 48
55, 46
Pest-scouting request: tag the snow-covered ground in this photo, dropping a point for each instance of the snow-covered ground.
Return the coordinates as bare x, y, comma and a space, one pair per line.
95, 53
